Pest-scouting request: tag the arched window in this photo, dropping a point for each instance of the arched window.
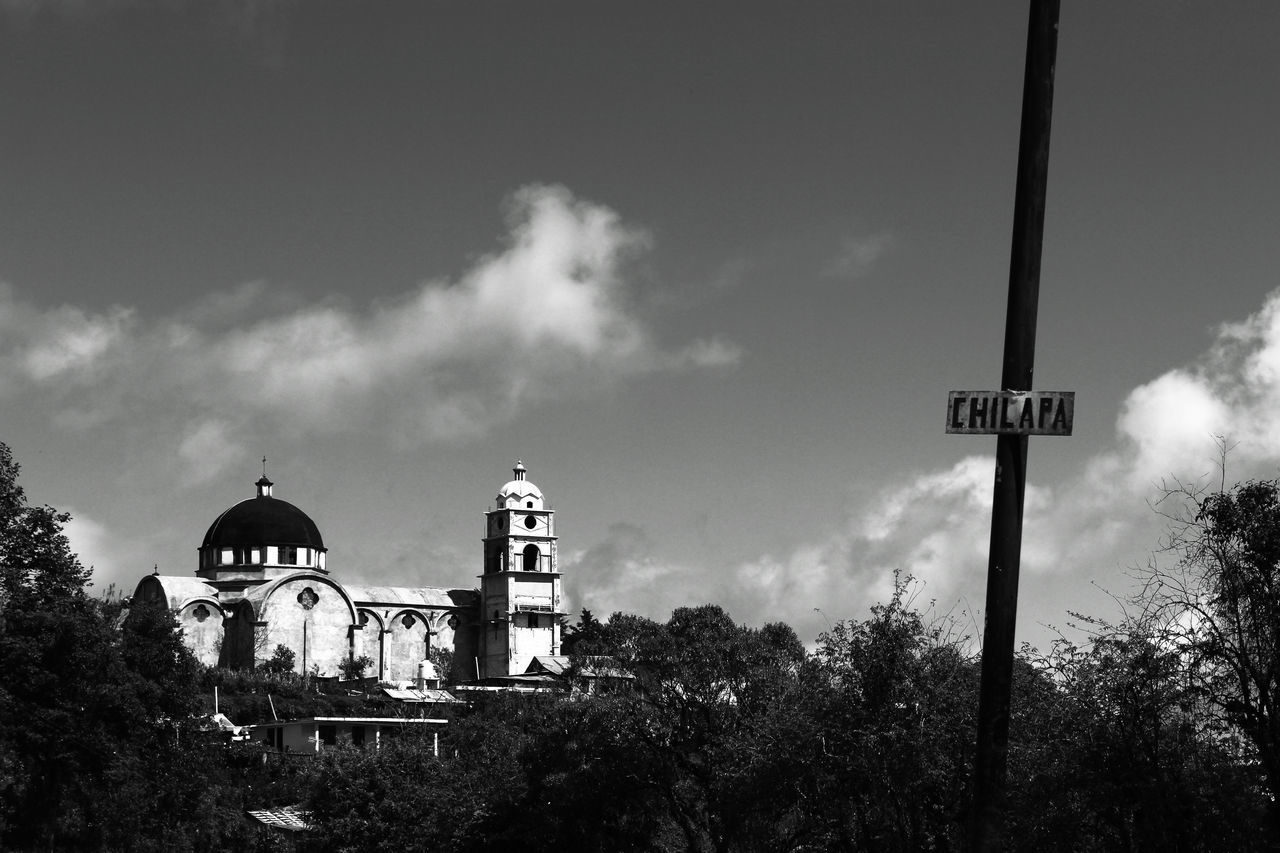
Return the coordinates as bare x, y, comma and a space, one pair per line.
531, 558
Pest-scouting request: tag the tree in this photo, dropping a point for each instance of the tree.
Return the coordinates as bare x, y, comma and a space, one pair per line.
1111, 750
37, 567
879, 758
443, 659
97, 741
166, 673
282, 660
584, 638
352, 668
703, 684
59, 718
1219, 607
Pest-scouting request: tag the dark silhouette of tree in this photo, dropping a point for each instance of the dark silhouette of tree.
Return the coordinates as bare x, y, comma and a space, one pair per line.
587, 637
1111, 749
99, 749
872, 747
1218, 606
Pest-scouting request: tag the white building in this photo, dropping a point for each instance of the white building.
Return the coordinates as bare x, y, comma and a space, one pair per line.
263, 580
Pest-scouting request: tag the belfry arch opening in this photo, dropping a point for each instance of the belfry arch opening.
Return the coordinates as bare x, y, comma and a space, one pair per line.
531, 555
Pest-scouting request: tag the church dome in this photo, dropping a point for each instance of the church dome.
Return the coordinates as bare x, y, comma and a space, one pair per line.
519, 492
519, 487
263, 520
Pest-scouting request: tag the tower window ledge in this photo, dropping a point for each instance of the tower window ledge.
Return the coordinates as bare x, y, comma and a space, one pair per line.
529, 607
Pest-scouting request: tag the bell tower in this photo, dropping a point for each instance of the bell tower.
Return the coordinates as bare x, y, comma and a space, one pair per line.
520, 588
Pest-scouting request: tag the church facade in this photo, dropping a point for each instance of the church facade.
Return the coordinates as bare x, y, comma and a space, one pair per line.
263, 580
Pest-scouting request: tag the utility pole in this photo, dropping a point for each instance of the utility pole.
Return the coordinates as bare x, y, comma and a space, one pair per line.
990, 762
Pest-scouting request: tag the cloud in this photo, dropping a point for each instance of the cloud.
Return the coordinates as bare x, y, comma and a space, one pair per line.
61, 346
106, 555
858, 254
1080, 535
260, 29
549, 314
706, 353
206, 449
625, 575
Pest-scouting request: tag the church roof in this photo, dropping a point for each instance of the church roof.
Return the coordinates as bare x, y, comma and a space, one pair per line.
263, 520
410, 596
180, 589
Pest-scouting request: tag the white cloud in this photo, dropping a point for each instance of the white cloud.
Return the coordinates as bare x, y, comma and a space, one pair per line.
706, 353
1167, 422
1090, 528
1080, 536
73, 343
858, 254
62, 346
206, 449
548, 314
106, 555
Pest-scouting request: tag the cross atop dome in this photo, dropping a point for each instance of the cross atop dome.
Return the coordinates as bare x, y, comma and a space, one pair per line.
264, 485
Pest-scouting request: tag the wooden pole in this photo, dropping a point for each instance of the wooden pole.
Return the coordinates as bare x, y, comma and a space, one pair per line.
990, 761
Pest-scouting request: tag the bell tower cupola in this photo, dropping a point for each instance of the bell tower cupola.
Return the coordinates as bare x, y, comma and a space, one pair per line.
520, 586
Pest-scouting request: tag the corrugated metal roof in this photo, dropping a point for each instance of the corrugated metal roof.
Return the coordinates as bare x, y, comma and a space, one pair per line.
528, 678
290, 818
592, 666
423, 694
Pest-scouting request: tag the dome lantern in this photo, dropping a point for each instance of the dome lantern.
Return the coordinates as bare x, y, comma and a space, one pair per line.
519, 491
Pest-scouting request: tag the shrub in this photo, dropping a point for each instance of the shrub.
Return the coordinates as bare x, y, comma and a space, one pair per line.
281, 660
353, 668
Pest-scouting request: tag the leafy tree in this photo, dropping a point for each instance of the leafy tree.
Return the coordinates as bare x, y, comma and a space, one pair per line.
875, 750
351, 668
585, 638
98, 749
281, 661
443, 660
166, 673
59, 717
1219, 606
702, 683
1110, 749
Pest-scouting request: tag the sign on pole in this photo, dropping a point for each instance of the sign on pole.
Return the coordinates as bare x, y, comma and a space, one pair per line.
990, 764
1011, 412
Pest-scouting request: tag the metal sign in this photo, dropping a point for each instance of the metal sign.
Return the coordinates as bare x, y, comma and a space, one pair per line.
1011, 412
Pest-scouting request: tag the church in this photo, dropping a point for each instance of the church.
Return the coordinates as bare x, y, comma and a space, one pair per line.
263, 580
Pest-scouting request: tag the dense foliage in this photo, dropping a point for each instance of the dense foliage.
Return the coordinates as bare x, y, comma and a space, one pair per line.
704, 735
100, 747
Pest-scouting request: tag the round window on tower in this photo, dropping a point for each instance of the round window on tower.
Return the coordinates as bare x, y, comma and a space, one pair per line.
530, 522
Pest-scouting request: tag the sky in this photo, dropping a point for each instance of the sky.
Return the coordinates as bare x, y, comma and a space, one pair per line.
708, 269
